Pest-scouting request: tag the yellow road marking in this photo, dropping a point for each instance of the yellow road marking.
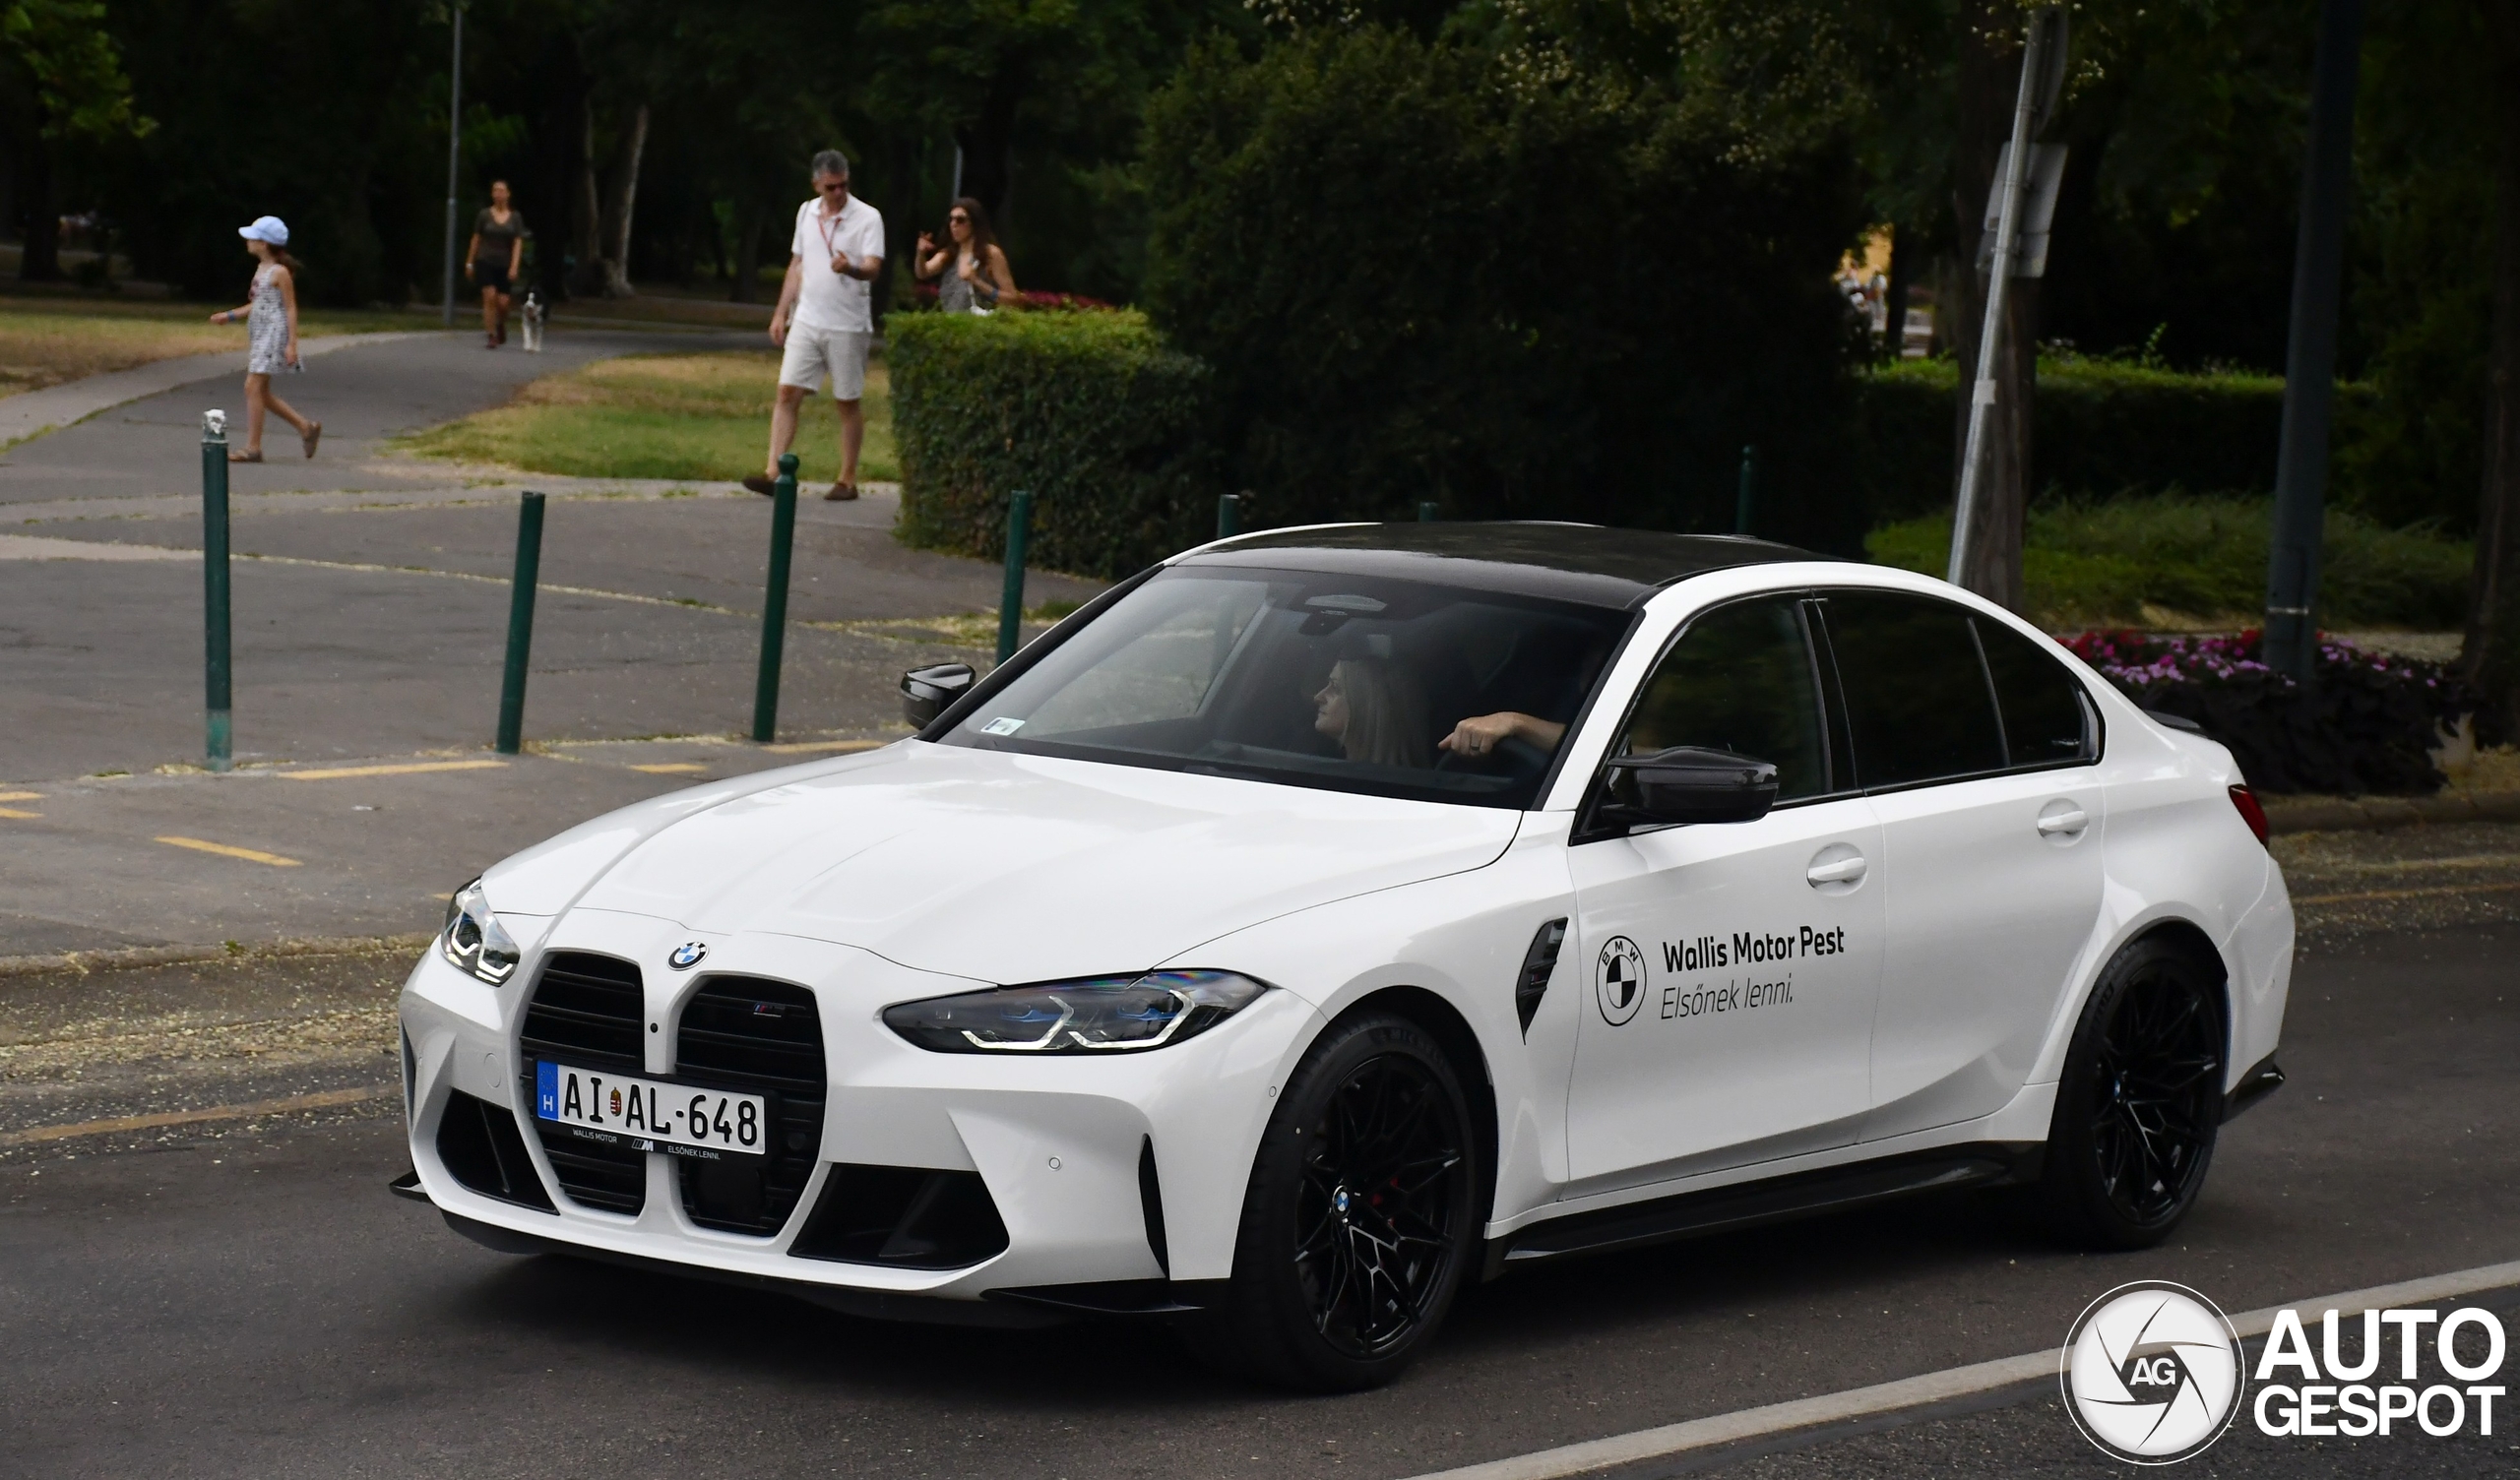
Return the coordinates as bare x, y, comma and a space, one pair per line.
672, 767
801, 747
14, 811
2406, 894
320, 1100
250, 855
344, 772
20, 796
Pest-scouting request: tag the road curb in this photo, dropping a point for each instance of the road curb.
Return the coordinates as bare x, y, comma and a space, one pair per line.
133, 957
2373, 814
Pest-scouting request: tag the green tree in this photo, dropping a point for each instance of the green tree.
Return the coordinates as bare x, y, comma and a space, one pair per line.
62, 81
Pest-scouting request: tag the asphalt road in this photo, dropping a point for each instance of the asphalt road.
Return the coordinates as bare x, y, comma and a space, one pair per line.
242, 1298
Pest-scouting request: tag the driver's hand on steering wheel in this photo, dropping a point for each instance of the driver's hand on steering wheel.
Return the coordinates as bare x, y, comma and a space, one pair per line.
1480, 734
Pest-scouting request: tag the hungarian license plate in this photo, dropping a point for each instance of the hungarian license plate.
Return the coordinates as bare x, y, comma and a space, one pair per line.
680, 1119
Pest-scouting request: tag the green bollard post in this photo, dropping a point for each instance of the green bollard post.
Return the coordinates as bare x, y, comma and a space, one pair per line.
214, 587
774, 601
1428, 513
1746, 501
1229, 515
529, 570
1010, 604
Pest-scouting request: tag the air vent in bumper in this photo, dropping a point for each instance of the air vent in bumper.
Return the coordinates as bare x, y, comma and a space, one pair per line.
590, 1011
479, 1147
741, 1032
906, 1217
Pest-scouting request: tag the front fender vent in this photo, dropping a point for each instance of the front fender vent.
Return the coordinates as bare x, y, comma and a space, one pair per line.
1540, 963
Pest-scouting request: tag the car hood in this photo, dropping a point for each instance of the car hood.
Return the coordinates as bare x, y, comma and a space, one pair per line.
996, 866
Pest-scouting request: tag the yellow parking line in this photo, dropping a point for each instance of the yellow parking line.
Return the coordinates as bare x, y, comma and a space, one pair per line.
344, 772
672, 767
14, 811
322, 1099
801, 747
250, 855
20, 796
2375, 896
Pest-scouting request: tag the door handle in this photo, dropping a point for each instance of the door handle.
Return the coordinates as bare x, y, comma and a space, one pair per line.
1842, 871
2073, 819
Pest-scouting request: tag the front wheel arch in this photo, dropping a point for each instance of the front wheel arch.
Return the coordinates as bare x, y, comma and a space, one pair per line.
1452, 1032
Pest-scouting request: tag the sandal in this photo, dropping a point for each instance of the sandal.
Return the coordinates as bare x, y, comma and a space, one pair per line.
312, 436
244, 456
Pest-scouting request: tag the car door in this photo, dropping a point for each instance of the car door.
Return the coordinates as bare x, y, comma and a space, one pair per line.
1991, 812
1729, 968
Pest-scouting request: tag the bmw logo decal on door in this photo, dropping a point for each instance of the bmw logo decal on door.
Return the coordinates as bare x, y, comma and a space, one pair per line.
1619, 980
686, 955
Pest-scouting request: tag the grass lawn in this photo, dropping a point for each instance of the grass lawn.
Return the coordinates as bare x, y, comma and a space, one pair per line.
44, 342
705, 417
2173, 561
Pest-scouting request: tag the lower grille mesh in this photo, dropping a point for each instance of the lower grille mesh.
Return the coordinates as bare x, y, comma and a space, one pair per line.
590, 1011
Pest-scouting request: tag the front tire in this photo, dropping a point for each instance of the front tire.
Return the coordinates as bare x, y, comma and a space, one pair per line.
1360, 1218
2139, 1103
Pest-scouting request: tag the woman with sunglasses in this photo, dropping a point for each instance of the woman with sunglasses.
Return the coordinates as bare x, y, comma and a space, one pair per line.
972, 274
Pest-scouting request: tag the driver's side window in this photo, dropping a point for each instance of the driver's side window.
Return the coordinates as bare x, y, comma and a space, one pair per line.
1740, 678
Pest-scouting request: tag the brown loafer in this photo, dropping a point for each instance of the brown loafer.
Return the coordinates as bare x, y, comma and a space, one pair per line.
761, 484
841, 493
312, 436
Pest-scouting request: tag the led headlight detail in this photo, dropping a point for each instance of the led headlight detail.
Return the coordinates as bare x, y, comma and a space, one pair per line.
1098, 1015
473, 938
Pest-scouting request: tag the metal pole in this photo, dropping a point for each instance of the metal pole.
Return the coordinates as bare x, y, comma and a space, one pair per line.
213, 587
774, 600
1990, 328
1427, 512
529, 570
2309, 360
454, 147
1746, 500
1010, 603
1229, 516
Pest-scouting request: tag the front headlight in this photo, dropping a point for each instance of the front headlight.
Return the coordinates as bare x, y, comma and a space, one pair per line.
473, 938
1100, 1015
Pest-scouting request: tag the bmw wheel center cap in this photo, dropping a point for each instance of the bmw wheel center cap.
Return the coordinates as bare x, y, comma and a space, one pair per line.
686, 955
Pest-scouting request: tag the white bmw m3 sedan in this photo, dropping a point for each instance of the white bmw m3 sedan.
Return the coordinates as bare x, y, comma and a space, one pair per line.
1330, 916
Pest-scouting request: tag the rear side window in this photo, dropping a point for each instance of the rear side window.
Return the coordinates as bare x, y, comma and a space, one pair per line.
2045, 718
1740, 680
1918, 700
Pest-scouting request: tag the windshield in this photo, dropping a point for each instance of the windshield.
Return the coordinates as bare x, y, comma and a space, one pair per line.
1343, 682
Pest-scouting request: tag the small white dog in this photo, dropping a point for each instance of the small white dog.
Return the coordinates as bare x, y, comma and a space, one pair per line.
531, 318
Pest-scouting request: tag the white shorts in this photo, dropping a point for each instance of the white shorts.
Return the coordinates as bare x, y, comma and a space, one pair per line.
813, 353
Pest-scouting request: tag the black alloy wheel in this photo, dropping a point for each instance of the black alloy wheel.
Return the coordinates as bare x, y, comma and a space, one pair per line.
2140, 1101
1361, 1215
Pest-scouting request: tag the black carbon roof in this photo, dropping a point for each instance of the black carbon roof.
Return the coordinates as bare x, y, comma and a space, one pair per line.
1586, 563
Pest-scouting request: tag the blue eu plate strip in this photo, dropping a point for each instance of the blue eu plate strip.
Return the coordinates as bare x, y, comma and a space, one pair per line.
546, 1090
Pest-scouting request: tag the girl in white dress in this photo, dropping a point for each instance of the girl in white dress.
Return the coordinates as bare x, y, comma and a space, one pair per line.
271, 335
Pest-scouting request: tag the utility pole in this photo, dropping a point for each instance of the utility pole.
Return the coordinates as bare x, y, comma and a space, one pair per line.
2042, 81
2310, 359
454, 154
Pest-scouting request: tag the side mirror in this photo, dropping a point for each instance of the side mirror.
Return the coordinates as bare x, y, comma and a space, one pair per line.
1689, 784
928, 692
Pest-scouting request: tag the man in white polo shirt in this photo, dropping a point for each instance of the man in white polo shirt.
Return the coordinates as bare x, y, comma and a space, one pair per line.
824, 321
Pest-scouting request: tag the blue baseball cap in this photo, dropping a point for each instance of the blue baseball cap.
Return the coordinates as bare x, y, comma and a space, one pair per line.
270, 228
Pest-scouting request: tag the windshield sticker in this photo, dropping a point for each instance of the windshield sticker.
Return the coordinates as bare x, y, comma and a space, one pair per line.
1001, 725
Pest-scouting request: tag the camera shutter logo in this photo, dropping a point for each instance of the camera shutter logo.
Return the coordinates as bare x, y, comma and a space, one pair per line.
2152, 1373
1619, 980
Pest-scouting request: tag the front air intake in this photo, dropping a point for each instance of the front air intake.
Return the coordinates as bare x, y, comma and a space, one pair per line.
478, 1145
590, 1012
906, 1217
764, 1038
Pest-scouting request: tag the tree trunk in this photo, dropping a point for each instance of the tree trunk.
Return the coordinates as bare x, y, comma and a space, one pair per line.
1989, 75
40, 259
1907, 253
989, 148
586, 228
625, 200
2490, 656
749, 223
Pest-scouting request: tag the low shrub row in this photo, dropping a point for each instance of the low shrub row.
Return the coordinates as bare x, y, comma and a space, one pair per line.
2365, 724
2125, 560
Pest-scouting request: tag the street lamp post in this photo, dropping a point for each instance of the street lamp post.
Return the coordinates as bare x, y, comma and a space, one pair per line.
454, 147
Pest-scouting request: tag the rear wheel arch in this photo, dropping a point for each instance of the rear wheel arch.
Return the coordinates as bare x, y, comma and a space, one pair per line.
2189, 939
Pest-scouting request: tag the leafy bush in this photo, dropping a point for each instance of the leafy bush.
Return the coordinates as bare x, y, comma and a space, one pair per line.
2099, 428
1087, 411
2090, 562
1423, 271
2366, 723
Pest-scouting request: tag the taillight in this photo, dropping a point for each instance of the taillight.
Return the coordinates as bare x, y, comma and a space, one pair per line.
2251, 812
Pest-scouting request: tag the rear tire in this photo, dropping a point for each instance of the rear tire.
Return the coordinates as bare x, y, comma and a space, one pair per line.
2139, 1103
1360, 1218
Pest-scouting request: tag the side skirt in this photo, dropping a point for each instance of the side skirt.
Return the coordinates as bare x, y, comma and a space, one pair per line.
1750, 1204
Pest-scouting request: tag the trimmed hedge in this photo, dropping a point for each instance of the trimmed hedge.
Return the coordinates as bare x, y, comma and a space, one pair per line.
1088, 410
2099, 427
